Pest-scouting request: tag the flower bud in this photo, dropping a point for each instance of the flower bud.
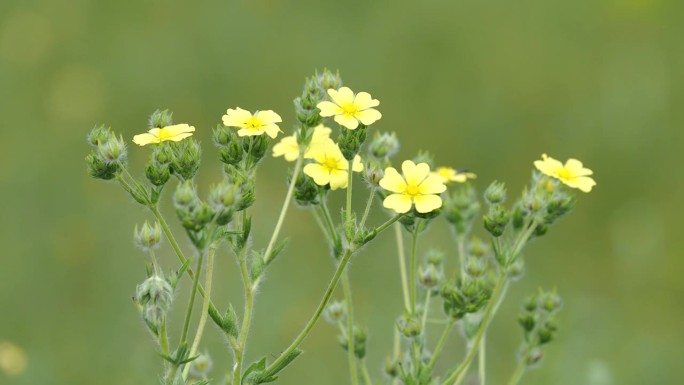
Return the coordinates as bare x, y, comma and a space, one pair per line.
306, 191
496, 219
429, 276
350, 141
534, 357
545, 335
495, 193
410, 326
258, 149
516, 269
101, 169
360, 338
112, 149
328, 80
148, 236
373, 172
155, 295
185, 194
475, 267
335, 312
527, 321
157, 173
186, 158
531, 303
424, 157
99, 134
383, 145
391, 367
460, 209
550, 301
478, 248
435, 257
161, 119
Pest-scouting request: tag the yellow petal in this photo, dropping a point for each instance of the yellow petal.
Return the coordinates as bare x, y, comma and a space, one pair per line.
329, 109
236, 117
271, 130
368, 116
347, 121
179, 137
338, 179
576, 168
320, 133
287, 147
548, 165
414, 173
357, 166
400, 203
144, 139
342, 96
332, 150
432, 185
427, 203
269, 116
393, 181
363, 100
249, 132
319, 173
583, 183
179, 129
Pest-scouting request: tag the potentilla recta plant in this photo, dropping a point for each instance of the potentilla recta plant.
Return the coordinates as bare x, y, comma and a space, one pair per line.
335, 148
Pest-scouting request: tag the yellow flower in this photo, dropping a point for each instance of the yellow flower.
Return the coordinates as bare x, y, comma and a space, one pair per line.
329, 165
349, 109
176, 133
289, 148
448, 174
13, 360
416, 187
572, 173
253, 125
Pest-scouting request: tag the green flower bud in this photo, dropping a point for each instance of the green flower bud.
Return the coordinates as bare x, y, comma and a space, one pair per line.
360, 338
186, 158
534, 357
157, 173
335, 312
430, 276
409, 326
161, 119
101, 169
531, 303
112, 149
99, 134
516, 269
468, 297
496, 220
475, 267
478, 248
424, 157
518, 217
527, 321
258, 149
435, 257
391, 367
350, 141
545, 335
185, 194
148, 236
551, 301
384, 145
221, 198
461, 208
328, 80
559, 205
154, 296
306, 191
495, 193
373, 172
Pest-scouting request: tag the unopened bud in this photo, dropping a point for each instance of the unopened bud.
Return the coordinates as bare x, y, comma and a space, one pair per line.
550, 301
527, 320
391, 367
384, 145
201, 366
409, 326
154, 295
185, 194
186, 158
495, 193
335, 312
112, 149
429, 276
496, 219
161, 119
148, 236
157, 173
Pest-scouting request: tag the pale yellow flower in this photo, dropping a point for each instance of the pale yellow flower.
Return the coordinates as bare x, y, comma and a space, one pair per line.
572, 173
253, 125
13, 359
330, 166
448, 174
175, 133
349, 109
289, 148
416, 187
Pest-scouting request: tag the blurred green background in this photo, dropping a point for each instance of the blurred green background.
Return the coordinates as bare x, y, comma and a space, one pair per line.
487, 85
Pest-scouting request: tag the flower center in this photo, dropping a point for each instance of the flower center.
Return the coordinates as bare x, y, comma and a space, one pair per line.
163, 134
330, 163
565, 174
412, 190
253, 123
350, 109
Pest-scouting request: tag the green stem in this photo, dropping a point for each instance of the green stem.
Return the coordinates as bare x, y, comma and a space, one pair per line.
366, 375
368, 207
426, 309
351, 354
457, 376
412, 270
402, 265
269, 371
164, 340
155, 265
460, 241
205, 307
283, 210
349, 192
520, 369
387, 223
246, 319
440, 344
191, 304
329, 221
481, 356
322, 226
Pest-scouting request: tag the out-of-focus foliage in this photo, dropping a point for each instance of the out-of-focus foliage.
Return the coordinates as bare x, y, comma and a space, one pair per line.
488, 85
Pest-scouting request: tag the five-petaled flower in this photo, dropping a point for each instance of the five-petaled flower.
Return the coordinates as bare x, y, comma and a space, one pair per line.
253, 125
289, 148
448, 174
572, 173
416, 187
175, 133
329, 165
349, 109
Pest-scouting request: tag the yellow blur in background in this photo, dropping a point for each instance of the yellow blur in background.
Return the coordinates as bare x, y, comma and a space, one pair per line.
484, 85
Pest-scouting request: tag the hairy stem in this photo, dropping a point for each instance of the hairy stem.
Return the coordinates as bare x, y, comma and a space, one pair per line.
349, 192
520, 369
412, 270
402, 265
440, 344
246, 318
369, 203
191, 304
351, 354
283, 210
